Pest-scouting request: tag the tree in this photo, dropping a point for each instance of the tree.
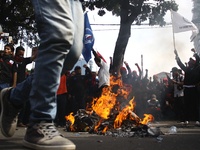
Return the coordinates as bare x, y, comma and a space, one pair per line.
131, 11
17, 19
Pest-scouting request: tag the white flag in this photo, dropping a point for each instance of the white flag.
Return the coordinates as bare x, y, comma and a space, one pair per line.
181, 24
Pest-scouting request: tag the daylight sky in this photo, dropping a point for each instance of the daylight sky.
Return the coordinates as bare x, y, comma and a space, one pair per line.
154, 43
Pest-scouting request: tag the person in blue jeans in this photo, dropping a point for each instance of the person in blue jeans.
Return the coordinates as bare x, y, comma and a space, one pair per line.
60, 26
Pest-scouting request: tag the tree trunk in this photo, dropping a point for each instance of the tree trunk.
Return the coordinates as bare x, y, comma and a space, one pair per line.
120, 47
127, 18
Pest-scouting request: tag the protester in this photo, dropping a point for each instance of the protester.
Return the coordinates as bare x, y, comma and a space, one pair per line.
191, 84
77, 90
8, 69
103, 73
60, 27
153, 107
167, 99
91, 86
21, 64
61, 102
179, 104
126, 74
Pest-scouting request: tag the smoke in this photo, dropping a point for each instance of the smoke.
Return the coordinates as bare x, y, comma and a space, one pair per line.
196, 21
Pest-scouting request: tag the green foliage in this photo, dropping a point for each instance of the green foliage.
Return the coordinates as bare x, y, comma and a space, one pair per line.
17, 16
143, 10
17, 19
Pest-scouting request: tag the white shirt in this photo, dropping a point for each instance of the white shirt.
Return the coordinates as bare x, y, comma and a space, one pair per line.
178, 92
103, 74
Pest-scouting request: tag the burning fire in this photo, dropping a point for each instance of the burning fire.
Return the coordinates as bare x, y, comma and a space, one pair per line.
114, 103
103, 105
123, 114
147, 118
71, 118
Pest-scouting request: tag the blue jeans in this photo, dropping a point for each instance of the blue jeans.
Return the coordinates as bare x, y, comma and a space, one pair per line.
20, 94
4, 85
60, 26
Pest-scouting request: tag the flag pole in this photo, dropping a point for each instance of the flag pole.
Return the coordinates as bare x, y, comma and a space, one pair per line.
173, 32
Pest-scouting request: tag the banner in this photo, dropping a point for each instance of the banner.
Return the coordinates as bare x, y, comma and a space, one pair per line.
88, 39
101, 57
181, 24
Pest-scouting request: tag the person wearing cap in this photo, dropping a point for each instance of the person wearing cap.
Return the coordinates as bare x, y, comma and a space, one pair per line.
153, 107
191, 84
179, 104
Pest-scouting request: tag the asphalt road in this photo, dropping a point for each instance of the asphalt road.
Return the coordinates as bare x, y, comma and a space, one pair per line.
185, 138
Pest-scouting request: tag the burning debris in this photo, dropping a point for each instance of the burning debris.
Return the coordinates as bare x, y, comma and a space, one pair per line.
112, 114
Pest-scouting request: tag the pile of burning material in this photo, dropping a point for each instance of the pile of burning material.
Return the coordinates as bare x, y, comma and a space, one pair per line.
112, 114
90, 122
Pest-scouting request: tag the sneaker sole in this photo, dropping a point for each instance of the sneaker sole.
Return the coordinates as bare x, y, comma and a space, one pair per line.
46, 147
1, 116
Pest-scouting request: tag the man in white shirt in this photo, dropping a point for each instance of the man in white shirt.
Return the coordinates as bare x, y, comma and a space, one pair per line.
103, 73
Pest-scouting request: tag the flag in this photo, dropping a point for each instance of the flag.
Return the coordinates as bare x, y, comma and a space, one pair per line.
101, 57
88, 39
181, 24
194, 35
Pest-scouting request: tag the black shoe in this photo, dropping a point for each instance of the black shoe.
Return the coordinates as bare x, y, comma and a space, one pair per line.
44, 136
9, 114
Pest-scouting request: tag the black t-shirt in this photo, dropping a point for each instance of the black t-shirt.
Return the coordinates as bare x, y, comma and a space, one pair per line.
21, 69
7, 69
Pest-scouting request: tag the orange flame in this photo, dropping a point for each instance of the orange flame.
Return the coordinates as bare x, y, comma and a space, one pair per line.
103, 105
109, 101
97, 125
123, 114
147, 118
105, 129
71, 118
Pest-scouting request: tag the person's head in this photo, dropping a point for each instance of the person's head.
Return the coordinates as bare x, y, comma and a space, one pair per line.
165, 81
123, 71
97, 61
153, 97
9, 49
77, 70
19, 53
175, 71
134, 73
94, 74
155, 78
72, 74
192, 62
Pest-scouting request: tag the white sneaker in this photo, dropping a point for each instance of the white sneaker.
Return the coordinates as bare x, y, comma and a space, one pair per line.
197, 123
186, 122
44, 136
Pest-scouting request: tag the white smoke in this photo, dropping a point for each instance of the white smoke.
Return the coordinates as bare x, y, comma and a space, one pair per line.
196, 21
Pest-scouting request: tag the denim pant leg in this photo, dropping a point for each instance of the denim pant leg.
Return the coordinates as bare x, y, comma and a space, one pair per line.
20, 94
56, 28
4, 85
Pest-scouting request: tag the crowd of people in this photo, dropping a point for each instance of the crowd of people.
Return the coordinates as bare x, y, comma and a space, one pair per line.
165, 99
51, 87
174, 97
